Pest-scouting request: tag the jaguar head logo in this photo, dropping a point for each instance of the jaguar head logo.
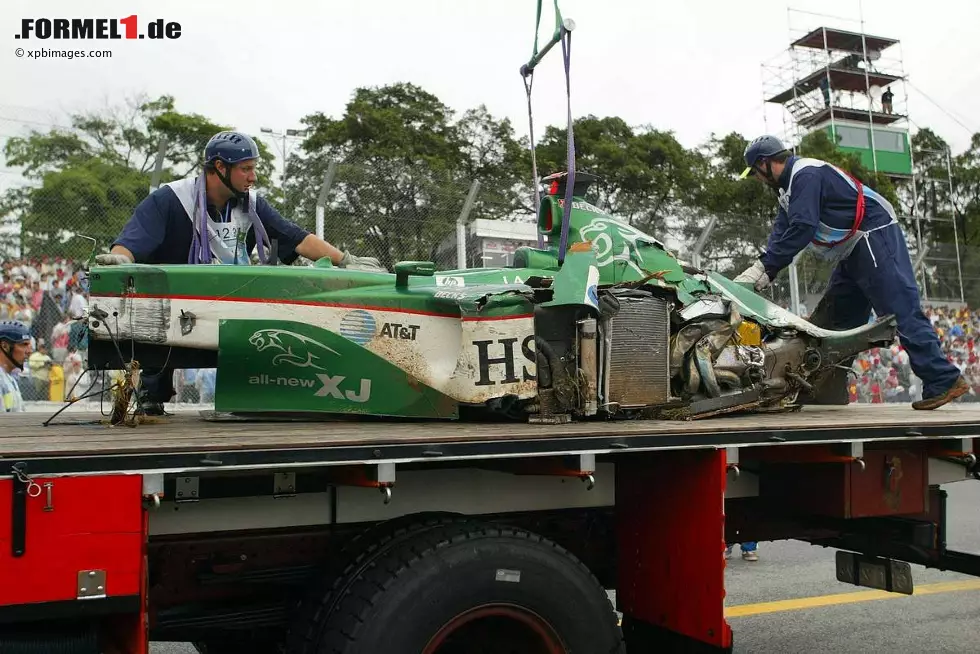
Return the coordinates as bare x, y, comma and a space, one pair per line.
292, 348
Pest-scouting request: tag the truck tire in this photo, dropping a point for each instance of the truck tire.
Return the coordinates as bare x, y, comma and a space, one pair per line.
345, 565
471, 588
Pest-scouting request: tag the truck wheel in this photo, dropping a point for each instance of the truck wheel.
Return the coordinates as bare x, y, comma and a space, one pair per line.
345, 565
472, 588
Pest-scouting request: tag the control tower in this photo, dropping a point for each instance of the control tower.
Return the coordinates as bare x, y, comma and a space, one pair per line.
847, 84
852, 86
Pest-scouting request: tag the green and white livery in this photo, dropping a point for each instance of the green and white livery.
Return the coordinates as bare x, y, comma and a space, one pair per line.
621, 327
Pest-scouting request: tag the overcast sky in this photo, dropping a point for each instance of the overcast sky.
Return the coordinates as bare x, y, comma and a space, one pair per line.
694, 68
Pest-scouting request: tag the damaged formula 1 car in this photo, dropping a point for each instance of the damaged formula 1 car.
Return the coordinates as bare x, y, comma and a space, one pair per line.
604, 322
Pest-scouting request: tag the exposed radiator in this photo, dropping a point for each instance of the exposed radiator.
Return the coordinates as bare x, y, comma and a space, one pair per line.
636, 352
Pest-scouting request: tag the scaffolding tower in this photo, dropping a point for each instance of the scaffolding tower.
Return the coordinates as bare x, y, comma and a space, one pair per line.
852, 86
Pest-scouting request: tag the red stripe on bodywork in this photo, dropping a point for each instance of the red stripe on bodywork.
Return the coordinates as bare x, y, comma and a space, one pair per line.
310, 303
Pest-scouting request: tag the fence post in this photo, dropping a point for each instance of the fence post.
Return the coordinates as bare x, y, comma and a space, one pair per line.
794, 287
464, 214
702, 240
158, 165
952, 214
919, 260
321, 201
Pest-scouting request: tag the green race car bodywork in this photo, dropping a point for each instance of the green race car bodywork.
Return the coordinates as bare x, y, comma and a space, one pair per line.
621, 327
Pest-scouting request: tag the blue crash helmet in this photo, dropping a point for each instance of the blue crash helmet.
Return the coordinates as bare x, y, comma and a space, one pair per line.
763, 146
14, 331
231, 148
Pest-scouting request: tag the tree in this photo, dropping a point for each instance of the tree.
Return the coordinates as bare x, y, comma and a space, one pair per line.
88, 179
966, 198
947, 197
743, 211
966, 203
646, 177
502, 163
405, 165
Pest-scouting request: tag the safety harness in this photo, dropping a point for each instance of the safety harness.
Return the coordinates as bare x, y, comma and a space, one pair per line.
197, 211
563, 35
858, 214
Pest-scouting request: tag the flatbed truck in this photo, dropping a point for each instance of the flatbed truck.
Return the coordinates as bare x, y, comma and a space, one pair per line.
423, 537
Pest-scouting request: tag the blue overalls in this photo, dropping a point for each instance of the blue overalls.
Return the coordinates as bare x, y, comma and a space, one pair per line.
833, 215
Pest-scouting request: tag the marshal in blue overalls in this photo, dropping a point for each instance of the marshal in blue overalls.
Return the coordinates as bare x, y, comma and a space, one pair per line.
215, 218
826, 210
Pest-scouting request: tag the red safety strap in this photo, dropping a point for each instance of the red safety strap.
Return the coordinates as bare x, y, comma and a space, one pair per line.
858, 214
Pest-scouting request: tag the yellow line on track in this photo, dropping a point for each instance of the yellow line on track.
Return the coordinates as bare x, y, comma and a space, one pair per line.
744, 610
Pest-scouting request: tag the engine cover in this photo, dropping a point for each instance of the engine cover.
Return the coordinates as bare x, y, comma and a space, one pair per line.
637, 351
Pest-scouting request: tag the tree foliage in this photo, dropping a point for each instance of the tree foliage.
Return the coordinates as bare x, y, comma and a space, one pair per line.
646, 176
86, 180
405, 164
945, 198
405, 161
742, 210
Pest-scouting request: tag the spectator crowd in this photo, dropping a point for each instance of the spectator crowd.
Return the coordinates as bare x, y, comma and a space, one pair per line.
45, 294
49, 294
884, 375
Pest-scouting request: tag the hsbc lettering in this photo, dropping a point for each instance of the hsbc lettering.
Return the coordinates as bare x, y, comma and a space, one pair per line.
488, 361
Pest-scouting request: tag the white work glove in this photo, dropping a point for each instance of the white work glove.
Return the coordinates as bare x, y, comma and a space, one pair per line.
367, 264
756, 276
112, 260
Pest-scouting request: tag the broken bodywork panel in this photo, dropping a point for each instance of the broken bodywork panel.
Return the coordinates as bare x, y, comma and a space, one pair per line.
615, 325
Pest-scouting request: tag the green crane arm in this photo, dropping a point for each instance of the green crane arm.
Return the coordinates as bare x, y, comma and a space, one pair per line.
536, 55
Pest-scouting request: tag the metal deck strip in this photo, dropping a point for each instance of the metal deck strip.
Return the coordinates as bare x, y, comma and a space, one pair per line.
249, 446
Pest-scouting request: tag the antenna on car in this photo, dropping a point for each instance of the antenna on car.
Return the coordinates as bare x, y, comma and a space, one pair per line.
95, 246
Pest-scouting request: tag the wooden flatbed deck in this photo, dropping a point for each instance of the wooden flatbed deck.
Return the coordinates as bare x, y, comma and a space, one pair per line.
82, 442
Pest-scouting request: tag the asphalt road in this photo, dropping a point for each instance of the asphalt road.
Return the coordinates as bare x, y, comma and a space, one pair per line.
942, 617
